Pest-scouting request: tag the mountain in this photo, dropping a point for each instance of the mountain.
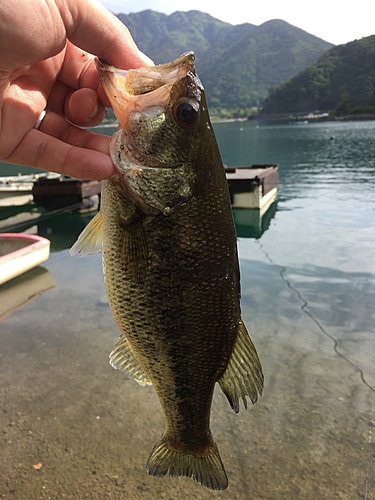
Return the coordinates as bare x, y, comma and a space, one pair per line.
345, 69
237, 64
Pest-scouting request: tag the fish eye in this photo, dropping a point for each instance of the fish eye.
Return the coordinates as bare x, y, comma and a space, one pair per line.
186, 113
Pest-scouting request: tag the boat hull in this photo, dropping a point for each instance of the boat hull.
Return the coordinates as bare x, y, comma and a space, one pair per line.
21, 252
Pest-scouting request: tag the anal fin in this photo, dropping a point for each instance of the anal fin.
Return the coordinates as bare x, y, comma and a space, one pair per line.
122, 358
243, 376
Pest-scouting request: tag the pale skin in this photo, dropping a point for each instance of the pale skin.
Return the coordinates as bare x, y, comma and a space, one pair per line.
47, 60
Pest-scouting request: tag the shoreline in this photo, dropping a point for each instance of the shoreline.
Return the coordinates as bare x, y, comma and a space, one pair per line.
280, 116
302, 116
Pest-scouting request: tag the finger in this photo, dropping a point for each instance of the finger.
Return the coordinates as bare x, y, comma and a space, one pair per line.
60, 95
31, 31
57, 97
92, 27
83, 108
79, 71
60, 147
42, 151
59, 128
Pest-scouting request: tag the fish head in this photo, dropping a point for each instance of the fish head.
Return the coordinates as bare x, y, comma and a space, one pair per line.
162, 115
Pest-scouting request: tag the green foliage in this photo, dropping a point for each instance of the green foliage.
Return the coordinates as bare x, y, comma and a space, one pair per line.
343, 107
343, 70
237, 64
362, 110
110, 117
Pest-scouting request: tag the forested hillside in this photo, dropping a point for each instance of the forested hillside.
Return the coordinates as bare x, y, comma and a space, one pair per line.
345, 69
237, 64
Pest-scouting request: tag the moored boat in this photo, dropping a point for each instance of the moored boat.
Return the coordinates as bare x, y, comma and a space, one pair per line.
21, 252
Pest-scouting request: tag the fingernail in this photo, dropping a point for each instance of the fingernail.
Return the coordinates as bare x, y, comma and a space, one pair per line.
95, 112
146, 59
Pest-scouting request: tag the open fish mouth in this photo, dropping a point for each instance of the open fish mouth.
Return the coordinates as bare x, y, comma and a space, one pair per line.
150, 103
162, 116
148, 90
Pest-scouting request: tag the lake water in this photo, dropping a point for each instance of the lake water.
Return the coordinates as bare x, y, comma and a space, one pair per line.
308, 290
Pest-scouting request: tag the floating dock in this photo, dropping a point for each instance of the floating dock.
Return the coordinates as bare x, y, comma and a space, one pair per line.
16, 190
53, 194
253, 187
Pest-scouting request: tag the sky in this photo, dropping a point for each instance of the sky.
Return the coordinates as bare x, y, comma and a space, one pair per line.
334, 21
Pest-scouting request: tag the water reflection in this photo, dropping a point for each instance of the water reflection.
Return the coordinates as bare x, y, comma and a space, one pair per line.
253, 223
92, 428
307, 156
61, 227
24, 289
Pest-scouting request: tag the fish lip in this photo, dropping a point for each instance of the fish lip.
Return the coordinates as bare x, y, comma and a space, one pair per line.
115, 79
188, 56
102, 64
103, 68
169, 71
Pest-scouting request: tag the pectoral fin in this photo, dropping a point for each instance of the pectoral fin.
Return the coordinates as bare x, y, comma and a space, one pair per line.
90, 241
122, 358
243, 376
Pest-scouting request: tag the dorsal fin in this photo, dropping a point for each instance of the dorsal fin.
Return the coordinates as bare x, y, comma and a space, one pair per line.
90, 241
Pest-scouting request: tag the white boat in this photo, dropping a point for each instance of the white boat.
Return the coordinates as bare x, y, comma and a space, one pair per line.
16, 190
21, 252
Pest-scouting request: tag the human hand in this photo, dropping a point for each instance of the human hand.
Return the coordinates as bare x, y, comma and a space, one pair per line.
44, 62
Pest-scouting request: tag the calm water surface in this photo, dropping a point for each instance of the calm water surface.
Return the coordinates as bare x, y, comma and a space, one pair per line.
308, 290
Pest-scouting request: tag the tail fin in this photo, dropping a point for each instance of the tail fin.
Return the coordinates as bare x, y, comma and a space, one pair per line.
206, 469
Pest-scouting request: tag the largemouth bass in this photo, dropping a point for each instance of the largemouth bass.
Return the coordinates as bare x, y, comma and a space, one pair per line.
170, 262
